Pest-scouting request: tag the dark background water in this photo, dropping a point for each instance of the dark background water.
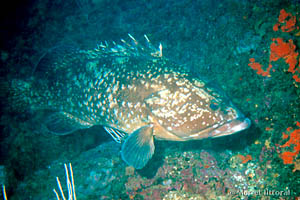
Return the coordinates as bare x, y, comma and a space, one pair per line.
215, 39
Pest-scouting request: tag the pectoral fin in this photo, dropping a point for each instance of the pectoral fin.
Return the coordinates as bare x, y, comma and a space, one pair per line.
138, 148
62, 123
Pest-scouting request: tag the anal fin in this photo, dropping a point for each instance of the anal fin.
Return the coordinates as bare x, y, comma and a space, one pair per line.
62, 123
138, 148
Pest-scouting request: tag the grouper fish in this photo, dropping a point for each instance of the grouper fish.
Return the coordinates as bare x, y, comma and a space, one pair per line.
134, 92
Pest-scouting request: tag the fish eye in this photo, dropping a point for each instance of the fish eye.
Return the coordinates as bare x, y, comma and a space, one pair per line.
214, 105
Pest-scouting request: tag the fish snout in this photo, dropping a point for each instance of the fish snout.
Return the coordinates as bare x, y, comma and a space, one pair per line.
231, 127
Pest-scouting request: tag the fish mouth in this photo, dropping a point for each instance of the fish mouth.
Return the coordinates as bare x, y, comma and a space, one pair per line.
231, 127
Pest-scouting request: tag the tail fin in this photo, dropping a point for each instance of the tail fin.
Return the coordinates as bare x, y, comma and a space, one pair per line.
14, 95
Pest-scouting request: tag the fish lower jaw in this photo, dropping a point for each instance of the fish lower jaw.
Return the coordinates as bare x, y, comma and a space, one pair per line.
231, 127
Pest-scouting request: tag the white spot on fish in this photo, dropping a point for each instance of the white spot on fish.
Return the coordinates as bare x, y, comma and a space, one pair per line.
194, 135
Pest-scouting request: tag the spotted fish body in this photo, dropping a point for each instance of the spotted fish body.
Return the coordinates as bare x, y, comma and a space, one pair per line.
135, 93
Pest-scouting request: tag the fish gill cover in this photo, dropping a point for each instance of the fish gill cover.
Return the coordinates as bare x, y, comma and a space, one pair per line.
249, 49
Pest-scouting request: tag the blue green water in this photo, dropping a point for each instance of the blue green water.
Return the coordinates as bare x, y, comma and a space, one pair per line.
215, 39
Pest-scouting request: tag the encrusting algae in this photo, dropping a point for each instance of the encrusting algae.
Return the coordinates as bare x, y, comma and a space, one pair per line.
286, 22
289, 157
281, 49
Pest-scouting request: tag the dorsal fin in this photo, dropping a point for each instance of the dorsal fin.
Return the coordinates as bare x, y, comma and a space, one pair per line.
132, 48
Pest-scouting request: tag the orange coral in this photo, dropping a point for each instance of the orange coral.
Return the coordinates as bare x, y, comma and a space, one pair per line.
280, 49
286, 50
244, 159
286, 22
284, 135
291, 60
268, 129
288, 157
297, 78
294, 71
256, 66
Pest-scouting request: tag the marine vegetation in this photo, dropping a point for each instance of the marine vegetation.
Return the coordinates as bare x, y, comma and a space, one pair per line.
159, 100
